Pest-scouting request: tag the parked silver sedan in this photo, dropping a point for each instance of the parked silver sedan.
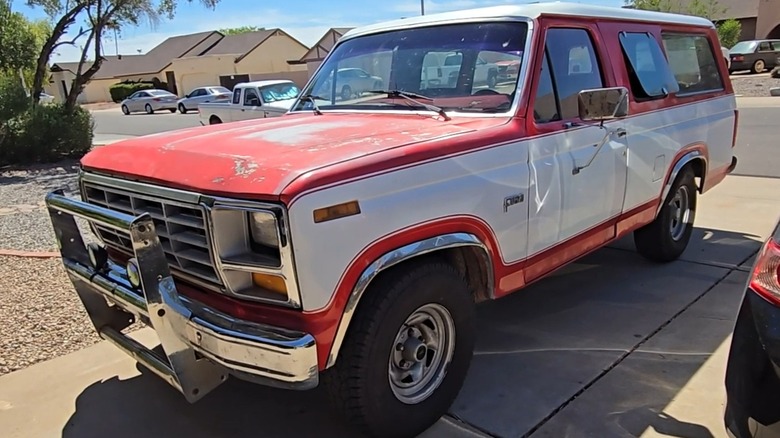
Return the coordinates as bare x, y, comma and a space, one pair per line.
149, 101
203, 95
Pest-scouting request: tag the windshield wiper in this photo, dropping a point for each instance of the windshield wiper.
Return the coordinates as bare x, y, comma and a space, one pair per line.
412, 97
313, 99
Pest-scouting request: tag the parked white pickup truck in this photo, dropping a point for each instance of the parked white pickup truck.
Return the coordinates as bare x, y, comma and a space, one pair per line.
251, 100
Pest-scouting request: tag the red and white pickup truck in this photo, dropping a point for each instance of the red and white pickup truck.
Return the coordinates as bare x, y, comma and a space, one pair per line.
347, 241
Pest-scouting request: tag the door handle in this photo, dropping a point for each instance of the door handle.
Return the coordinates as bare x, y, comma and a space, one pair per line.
621, 132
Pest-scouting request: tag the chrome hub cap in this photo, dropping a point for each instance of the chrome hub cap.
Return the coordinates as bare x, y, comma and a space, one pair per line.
421, 353
680, 213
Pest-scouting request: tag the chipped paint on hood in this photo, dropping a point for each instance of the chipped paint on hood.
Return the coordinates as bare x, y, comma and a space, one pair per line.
263, 156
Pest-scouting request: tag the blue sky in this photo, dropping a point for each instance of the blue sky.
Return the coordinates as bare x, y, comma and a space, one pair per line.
306, 20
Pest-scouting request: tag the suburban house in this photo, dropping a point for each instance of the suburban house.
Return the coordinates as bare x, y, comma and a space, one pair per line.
314, 56
188, 61
240, 58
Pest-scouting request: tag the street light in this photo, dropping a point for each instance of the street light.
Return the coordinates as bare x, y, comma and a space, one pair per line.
422, 7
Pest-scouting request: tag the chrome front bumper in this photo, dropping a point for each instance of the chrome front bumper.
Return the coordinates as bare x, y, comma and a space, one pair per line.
200, 345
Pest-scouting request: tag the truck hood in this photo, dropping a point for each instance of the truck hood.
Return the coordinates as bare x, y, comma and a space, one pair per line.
259, 158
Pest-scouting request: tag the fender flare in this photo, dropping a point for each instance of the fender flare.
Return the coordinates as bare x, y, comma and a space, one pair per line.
392, 258
687, 158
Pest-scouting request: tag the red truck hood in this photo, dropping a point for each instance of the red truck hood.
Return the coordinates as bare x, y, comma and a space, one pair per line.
259, 158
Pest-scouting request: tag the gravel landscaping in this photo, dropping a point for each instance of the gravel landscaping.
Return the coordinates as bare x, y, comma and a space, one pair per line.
750, 85
41, 317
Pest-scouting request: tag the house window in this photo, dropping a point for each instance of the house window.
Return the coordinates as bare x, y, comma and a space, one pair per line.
693, 63
648, 71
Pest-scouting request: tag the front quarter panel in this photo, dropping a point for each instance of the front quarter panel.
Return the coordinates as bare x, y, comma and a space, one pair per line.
473, 185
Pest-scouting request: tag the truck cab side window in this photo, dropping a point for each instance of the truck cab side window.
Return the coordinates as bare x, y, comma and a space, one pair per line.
648, 70
546, 102
236, 96
251, 98
569, 66
574, 67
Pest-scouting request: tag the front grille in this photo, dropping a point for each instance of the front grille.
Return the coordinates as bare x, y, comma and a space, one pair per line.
180, 227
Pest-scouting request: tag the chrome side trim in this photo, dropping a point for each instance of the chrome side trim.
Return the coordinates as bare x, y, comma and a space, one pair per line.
188, 331
392, 258
687, 158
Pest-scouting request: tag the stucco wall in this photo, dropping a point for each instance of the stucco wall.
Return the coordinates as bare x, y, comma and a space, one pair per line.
768, 19
201, 71
272, 56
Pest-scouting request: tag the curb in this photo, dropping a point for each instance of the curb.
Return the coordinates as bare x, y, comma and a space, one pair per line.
30, 254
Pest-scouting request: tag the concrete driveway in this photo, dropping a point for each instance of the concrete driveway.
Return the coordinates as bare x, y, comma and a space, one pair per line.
611, 346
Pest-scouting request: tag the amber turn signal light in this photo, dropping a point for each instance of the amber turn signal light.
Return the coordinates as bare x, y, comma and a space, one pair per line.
336, 211
271, 283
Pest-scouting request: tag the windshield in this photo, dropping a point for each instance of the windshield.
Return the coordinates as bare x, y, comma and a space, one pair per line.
744, 47
460, 67
272, 93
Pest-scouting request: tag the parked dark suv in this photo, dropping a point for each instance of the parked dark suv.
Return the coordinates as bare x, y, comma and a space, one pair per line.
755, 55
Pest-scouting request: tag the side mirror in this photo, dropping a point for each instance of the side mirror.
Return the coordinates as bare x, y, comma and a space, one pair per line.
603, 104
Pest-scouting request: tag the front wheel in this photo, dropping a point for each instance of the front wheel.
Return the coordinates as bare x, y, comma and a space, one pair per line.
407, 351
182, 109
125, 110
665, 239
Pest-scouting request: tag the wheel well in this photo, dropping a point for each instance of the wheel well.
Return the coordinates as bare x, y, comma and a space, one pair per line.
472, 262
214, 119
699, 171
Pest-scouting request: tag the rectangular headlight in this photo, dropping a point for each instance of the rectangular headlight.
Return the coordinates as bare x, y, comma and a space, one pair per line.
264, 229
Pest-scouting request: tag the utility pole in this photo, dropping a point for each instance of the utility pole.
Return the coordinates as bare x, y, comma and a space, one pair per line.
422, 7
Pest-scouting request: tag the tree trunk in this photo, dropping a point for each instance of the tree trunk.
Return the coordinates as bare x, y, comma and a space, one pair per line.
49, 46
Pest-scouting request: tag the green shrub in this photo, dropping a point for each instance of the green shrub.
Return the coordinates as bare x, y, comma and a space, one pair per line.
13, 99
46, 133
729, 32
121, 90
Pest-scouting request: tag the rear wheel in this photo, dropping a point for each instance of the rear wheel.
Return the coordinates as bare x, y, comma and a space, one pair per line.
182, 109
666, 238
407, 351
759, 66
148, 109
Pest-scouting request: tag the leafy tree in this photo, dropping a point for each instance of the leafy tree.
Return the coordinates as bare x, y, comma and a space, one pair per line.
16, 38
240, 30
729, 30
97, 17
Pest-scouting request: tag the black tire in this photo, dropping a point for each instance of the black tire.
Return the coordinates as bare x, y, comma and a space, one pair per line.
661, 240
759, 66
492, 80
148, 109
125, 110
360, 382
172, 110
346, 92
182, 109
214, 120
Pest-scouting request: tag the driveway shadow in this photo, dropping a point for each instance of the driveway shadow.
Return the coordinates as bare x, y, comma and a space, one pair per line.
537, 350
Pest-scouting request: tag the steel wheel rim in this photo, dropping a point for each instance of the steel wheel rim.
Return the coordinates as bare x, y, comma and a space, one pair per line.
760, 65
680, 213
421, 353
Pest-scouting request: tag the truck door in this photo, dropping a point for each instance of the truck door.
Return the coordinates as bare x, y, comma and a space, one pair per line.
577, 187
